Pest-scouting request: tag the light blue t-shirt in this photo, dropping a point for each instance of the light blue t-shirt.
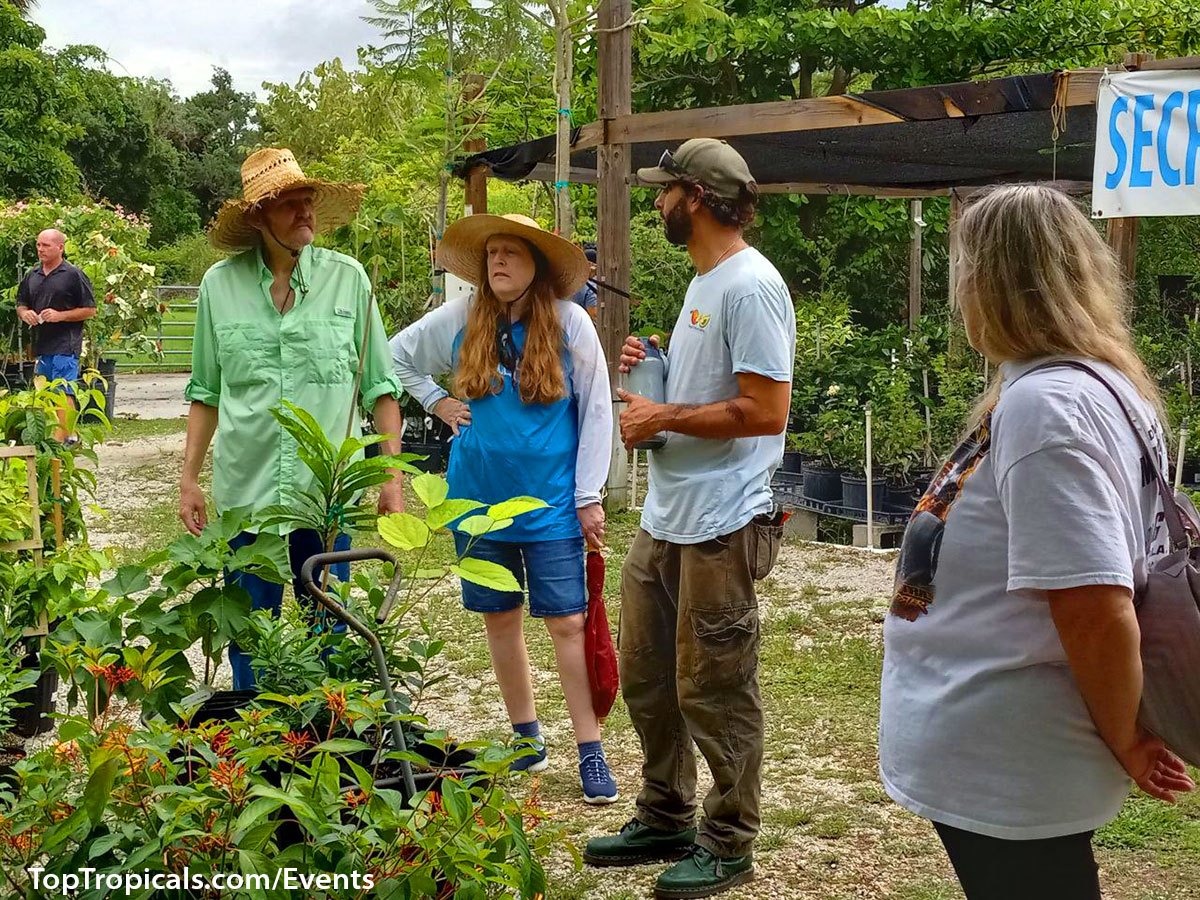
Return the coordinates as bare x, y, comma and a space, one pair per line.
738, 317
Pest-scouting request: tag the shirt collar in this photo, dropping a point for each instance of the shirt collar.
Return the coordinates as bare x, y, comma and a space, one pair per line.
300, 274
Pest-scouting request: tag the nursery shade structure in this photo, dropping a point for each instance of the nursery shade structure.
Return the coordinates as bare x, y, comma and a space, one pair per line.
914, 142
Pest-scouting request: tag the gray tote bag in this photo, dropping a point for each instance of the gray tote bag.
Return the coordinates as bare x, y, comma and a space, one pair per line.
1168, 611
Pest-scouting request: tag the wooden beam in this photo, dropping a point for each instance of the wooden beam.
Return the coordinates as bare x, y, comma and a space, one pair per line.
613, 251
748, 118
544, 171
798, 187
915, 266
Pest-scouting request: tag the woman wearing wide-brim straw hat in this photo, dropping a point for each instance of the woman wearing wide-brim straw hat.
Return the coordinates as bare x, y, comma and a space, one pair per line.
281, 320
532, 416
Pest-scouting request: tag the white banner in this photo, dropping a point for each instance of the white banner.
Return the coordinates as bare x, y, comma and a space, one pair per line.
1147, 145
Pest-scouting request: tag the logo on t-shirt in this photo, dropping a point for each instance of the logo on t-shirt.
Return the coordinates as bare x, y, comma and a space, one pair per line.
700, 321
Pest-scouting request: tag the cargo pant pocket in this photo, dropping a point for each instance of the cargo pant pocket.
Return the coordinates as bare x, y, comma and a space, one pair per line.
725, 648
765, 541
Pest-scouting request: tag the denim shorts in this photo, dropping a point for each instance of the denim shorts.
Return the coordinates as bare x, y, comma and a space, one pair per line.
552, 571
52, 368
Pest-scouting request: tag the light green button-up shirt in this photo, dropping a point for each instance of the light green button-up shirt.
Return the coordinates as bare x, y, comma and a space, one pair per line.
247, 359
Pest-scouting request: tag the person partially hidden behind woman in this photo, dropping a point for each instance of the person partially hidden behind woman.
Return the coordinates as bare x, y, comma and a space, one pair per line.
1012, 675
534, 419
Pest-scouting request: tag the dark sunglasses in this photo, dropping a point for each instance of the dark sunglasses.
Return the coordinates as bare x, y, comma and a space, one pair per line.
506, 348
667, 163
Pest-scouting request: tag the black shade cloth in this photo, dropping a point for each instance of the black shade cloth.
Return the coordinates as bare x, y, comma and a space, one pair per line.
954, 136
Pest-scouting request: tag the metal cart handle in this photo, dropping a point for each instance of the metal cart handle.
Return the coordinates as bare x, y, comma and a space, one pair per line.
381, 667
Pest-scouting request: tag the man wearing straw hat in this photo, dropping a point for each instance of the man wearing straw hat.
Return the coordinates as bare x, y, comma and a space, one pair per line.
281, 320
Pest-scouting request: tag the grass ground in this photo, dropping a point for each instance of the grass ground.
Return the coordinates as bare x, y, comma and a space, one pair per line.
829, 831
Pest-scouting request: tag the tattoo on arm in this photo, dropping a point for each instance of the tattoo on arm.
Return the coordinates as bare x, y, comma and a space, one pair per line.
735, 413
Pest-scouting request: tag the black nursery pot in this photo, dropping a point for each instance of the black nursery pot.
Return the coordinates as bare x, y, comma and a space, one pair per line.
822, 483
793, 461
854, 492
33, 718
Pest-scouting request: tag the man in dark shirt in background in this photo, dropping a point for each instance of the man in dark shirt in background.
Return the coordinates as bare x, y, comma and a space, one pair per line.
54, 299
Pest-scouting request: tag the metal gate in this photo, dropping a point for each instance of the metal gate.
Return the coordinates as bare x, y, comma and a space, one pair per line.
176, 331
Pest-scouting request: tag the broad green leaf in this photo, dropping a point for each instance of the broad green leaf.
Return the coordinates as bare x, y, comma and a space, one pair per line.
297, 803
432, 489
341, 745
456, 799
486, 574
404, 530
254, 814
103, 844
128, 580
478, 526
99, 786
517, 506
449, 510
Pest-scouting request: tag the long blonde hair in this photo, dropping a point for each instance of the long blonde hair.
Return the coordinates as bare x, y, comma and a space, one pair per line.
539, 374
1038, 280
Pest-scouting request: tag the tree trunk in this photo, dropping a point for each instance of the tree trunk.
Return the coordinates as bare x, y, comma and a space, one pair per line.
563, 64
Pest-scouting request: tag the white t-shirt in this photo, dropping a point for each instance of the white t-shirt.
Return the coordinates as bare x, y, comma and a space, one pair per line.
738, 317
982, 726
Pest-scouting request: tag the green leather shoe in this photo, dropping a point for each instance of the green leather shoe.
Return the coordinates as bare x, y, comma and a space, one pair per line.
636, 844
702, 874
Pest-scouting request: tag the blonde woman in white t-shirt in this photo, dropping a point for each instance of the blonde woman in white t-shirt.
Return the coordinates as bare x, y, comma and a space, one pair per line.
1012, 676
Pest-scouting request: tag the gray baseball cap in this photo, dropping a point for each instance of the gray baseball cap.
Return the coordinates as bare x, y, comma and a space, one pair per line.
711, 162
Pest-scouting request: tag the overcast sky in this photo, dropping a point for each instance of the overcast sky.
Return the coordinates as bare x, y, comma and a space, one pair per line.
256, 40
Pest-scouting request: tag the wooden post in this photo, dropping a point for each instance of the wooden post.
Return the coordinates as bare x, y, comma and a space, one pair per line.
56, 499
953, 319
1123, 238
475, 187
615, 76
1123, 232
915, 268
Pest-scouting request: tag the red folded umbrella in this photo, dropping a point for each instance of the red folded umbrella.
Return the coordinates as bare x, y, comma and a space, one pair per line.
598, 643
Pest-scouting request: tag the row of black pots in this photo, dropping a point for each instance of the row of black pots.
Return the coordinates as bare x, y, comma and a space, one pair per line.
828, 485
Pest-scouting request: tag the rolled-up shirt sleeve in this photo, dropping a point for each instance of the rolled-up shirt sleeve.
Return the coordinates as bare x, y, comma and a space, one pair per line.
1067, 524
594, 395
379, 377
204, 386
425, 350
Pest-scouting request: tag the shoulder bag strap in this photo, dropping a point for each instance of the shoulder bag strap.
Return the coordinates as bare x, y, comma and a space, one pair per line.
1179, 538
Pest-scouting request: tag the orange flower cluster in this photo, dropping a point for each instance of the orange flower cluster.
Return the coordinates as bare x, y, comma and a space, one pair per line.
335, 702
230, 778
297, 743
355, 799
220, 743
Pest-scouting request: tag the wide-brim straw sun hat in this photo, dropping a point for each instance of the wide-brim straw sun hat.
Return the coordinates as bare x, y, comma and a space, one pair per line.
464, 245
268, 173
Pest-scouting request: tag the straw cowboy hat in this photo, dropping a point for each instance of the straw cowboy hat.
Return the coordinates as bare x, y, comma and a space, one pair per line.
464, 245
267, 174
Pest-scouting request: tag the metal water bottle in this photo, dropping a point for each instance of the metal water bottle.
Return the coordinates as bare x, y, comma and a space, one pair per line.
649, 379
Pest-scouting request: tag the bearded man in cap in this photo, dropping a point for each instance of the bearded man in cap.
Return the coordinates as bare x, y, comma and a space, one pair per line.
710, 529
281, 320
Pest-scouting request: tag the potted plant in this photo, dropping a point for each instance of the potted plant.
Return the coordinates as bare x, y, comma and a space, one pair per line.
898, 437
835, 443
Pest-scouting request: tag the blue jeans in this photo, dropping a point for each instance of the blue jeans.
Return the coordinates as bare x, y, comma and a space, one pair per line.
554, 572
268, 595
53, 368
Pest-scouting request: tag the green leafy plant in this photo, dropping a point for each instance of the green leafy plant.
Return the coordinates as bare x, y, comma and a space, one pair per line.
897, 426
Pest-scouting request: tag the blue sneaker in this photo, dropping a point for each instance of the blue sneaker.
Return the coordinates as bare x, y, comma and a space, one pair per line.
531, 762
599, 786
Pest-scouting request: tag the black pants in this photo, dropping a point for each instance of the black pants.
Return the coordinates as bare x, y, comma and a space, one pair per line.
988, 868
